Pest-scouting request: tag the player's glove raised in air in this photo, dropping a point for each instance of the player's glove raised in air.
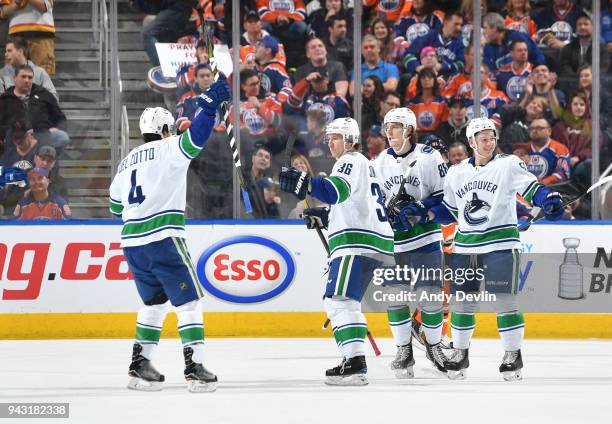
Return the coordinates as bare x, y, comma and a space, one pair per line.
216, 94
294, 181
12, 175
316, 218
552, 206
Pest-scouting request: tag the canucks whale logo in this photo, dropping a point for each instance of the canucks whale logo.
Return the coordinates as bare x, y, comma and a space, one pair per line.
476, 211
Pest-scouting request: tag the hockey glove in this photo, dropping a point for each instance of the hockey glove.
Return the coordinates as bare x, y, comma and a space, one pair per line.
294, 181
316, 218
552, 206
396, 204
216, 94
12, 175
412, 214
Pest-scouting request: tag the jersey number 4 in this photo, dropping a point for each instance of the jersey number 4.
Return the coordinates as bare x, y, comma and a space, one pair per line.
136, 195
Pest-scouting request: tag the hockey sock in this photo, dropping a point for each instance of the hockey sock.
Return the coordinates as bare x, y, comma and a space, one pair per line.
149, 323
349, 325
432, 325
401, 324
511, 326
462, 326
191, 330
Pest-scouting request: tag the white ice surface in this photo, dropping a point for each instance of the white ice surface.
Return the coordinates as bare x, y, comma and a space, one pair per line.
281, 381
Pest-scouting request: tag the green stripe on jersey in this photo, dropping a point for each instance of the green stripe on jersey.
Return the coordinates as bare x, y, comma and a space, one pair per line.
115, 207
529, 195
175, 219
355, 239
191, 149
416, 231
342, 187
490, 235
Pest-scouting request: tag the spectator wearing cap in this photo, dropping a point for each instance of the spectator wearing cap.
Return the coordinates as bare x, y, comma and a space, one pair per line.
560, 20
339, 46
33, 20
512, 77
578, 51
315, 92
496, 51
373, 65
376, 142
273, 75
17, 54
270, 207
186, 75
316, 52
448, 43
254, 32
41, 107
40, 203
429, 59
453, 130
46, 157
287, 21
20, 154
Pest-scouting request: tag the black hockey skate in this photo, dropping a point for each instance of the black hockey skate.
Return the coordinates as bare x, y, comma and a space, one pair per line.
417, 330
435, 354
456, 366
143, 374
199, 379
350, 372
403, 362
512, 366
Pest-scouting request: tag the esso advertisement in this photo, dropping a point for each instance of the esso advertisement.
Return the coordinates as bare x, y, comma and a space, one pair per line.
246, 269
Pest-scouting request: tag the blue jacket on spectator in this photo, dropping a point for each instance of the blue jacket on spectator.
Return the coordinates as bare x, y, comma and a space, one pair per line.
495, 56
562, 26
606, 25
450, 52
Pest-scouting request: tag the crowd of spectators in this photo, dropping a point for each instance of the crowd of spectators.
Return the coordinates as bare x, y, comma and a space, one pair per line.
297, 75
33, 130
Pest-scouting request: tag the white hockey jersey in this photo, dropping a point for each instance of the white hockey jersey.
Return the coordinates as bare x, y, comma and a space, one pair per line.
149, 190
358, 222
483, 199
426, 179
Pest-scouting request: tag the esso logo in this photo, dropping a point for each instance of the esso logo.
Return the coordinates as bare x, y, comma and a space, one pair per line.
246, 269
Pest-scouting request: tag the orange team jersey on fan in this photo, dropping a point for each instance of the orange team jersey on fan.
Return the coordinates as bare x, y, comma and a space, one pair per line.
524, 25
245, 51
461, 85
270, 10
261, 120
430, 113
411, 90
392, 9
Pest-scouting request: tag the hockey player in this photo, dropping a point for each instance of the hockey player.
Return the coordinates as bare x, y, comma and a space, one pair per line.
148, 193
12, 175
358, 234
477, 192
416, 246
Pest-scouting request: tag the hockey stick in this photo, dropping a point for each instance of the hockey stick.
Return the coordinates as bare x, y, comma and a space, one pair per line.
536, 211
208, 29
